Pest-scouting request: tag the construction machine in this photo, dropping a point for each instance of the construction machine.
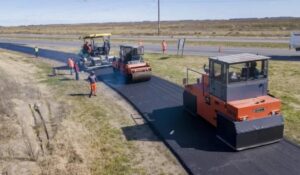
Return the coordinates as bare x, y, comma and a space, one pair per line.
232, 95
131, 64
95, 50
295, 41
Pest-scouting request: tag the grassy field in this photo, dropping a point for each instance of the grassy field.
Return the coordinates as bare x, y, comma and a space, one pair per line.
267, 27
212, 43
90, 137
135, 41
284, 83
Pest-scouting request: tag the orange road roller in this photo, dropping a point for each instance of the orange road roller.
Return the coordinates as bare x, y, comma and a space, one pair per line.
232, 95
131, 64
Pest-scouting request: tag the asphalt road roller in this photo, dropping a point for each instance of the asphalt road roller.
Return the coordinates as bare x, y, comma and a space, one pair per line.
232, 95
131, 64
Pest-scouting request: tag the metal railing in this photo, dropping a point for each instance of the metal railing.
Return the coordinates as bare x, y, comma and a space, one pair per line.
195, 71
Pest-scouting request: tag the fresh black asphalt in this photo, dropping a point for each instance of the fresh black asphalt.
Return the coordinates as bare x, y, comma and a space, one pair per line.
191, 139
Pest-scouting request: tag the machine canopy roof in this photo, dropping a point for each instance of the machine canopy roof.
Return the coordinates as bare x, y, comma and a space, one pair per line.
99, 35
239, 58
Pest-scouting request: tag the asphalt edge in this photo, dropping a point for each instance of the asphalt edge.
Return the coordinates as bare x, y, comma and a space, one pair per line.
184, 165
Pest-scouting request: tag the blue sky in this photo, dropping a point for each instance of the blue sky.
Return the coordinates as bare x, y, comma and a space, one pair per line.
26, 12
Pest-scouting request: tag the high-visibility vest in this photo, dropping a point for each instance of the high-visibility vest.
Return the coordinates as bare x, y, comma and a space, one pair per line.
164, 45
141, 43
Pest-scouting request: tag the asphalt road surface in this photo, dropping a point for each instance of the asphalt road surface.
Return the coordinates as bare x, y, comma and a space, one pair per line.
191, 139
285, 54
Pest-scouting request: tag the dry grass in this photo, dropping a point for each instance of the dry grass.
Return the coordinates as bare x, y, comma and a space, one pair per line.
284, 83
277, 27
89, 138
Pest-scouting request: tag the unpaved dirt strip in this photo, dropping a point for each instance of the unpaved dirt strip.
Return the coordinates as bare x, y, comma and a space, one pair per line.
30, 121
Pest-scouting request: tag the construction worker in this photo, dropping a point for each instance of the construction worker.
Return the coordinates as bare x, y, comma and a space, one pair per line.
85, 47
92, 79
77, 70
36, 51
71, 65
253, 71
164, 46
141, 43
106, 46
90, 49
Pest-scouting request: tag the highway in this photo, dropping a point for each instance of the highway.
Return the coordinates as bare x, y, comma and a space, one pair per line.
275, 53
160, 38
191, 139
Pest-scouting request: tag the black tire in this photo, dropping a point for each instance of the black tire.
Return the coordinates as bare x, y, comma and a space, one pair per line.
128, 78
93, 63
115, 70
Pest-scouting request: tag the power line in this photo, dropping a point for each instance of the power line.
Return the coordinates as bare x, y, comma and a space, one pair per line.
158, 17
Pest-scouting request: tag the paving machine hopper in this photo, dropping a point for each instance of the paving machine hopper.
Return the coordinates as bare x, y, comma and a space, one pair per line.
132, 65
233, 96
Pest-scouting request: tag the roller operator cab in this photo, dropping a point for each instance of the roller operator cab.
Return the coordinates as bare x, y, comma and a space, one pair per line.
132, 65
233, 96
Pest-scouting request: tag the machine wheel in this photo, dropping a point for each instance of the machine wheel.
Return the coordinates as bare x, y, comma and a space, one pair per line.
190, 103
93, 63
128, 78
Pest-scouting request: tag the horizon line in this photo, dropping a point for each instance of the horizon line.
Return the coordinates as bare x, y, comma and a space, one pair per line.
152, 21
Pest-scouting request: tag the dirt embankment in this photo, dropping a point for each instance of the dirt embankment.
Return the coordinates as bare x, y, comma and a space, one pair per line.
33, 139
49, 126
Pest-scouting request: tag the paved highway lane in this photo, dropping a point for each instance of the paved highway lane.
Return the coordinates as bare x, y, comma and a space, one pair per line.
191, 139
190, 50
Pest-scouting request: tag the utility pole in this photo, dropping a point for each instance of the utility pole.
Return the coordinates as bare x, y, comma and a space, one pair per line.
158, 21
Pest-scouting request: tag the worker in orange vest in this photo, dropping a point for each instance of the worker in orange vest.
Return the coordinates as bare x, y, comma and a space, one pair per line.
141, 43
71, 65
92, 79
164, 46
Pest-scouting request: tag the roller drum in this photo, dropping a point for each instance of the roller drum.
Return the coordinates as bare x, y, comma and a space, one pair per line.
140, 76
248, 134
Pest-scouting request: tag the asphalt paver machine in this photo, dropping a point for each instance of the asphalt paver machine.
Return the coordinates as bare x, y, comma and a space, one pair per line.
95, 50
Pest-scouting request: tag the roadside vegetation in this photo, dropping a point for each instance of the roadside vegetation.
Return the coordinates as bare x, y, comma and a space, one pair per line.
170, 41
88, 136
211, 43
284, 83
266, 27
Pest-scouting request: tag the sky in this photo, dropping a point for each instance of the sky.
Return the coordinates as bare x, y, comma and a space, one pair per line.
33, 12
